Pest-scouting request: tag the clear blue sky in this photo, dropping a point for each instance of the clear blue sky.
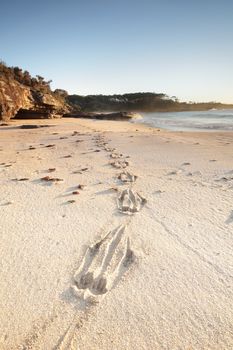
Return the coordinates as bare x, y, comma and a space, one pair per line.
182, 48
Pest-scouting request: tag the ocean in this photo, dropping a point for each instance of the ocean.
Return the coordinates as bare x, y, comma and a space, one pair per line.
210, 120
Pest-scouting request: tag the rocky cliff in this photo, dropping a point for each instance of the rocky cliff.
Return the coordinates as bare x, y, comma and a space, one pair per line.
25, 97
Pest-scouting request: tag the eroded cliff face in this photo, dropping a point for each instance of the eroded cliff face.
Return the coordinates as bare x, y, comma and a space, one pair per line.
19, 100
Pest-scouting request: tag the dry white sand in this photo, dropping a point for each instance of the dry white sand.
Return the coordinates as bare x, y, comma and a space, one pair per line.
163, 280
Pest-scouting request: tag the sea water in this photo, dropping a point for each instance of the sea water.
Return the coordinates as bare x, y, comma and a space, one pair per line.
210, 120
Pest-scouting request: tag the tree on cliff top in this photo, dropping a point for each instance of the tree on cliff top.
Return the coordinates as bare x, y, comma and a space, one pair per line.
24, 77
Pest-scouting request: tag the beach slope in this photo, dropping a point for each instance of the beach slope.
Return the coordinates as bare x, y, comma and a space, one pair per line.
115, 236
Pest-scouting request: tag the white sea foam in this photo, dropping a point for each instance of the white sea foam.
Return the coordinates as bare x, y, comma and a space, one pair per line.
192, 120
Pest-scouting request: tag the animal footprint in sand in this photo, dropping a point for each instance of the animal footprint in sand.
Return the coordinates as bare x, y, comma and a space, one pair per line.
120, 164
129, 202
103, 265
109, 149
116, 155
125, 176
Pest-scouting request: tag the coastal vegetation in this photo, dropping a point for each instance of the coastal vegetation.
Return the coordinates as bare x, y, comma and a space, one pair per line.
24, 77
138, 102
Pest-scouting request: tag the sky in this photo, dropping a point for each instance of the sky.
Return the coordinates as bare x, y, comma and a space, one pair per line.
181, 48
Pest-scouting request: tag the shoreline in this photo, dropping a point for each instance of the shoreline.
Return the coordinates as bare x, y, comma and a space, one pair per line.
173, 292
142, 126
192, 121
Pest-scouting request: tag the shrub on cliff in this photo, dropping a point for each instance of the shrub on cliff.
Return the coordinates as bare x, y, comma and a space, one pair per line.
24, 77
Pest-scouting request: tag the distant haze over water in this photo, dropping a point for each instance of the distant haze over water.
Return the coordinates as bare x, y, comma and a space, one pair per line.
190, 121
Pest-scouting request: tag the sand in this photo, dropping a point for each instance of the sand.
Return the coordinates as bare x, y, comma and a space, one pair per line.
136, 254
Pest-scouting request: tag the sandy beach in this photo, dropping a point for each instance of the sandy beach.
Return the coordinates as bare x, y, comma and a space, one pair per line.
115, 236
